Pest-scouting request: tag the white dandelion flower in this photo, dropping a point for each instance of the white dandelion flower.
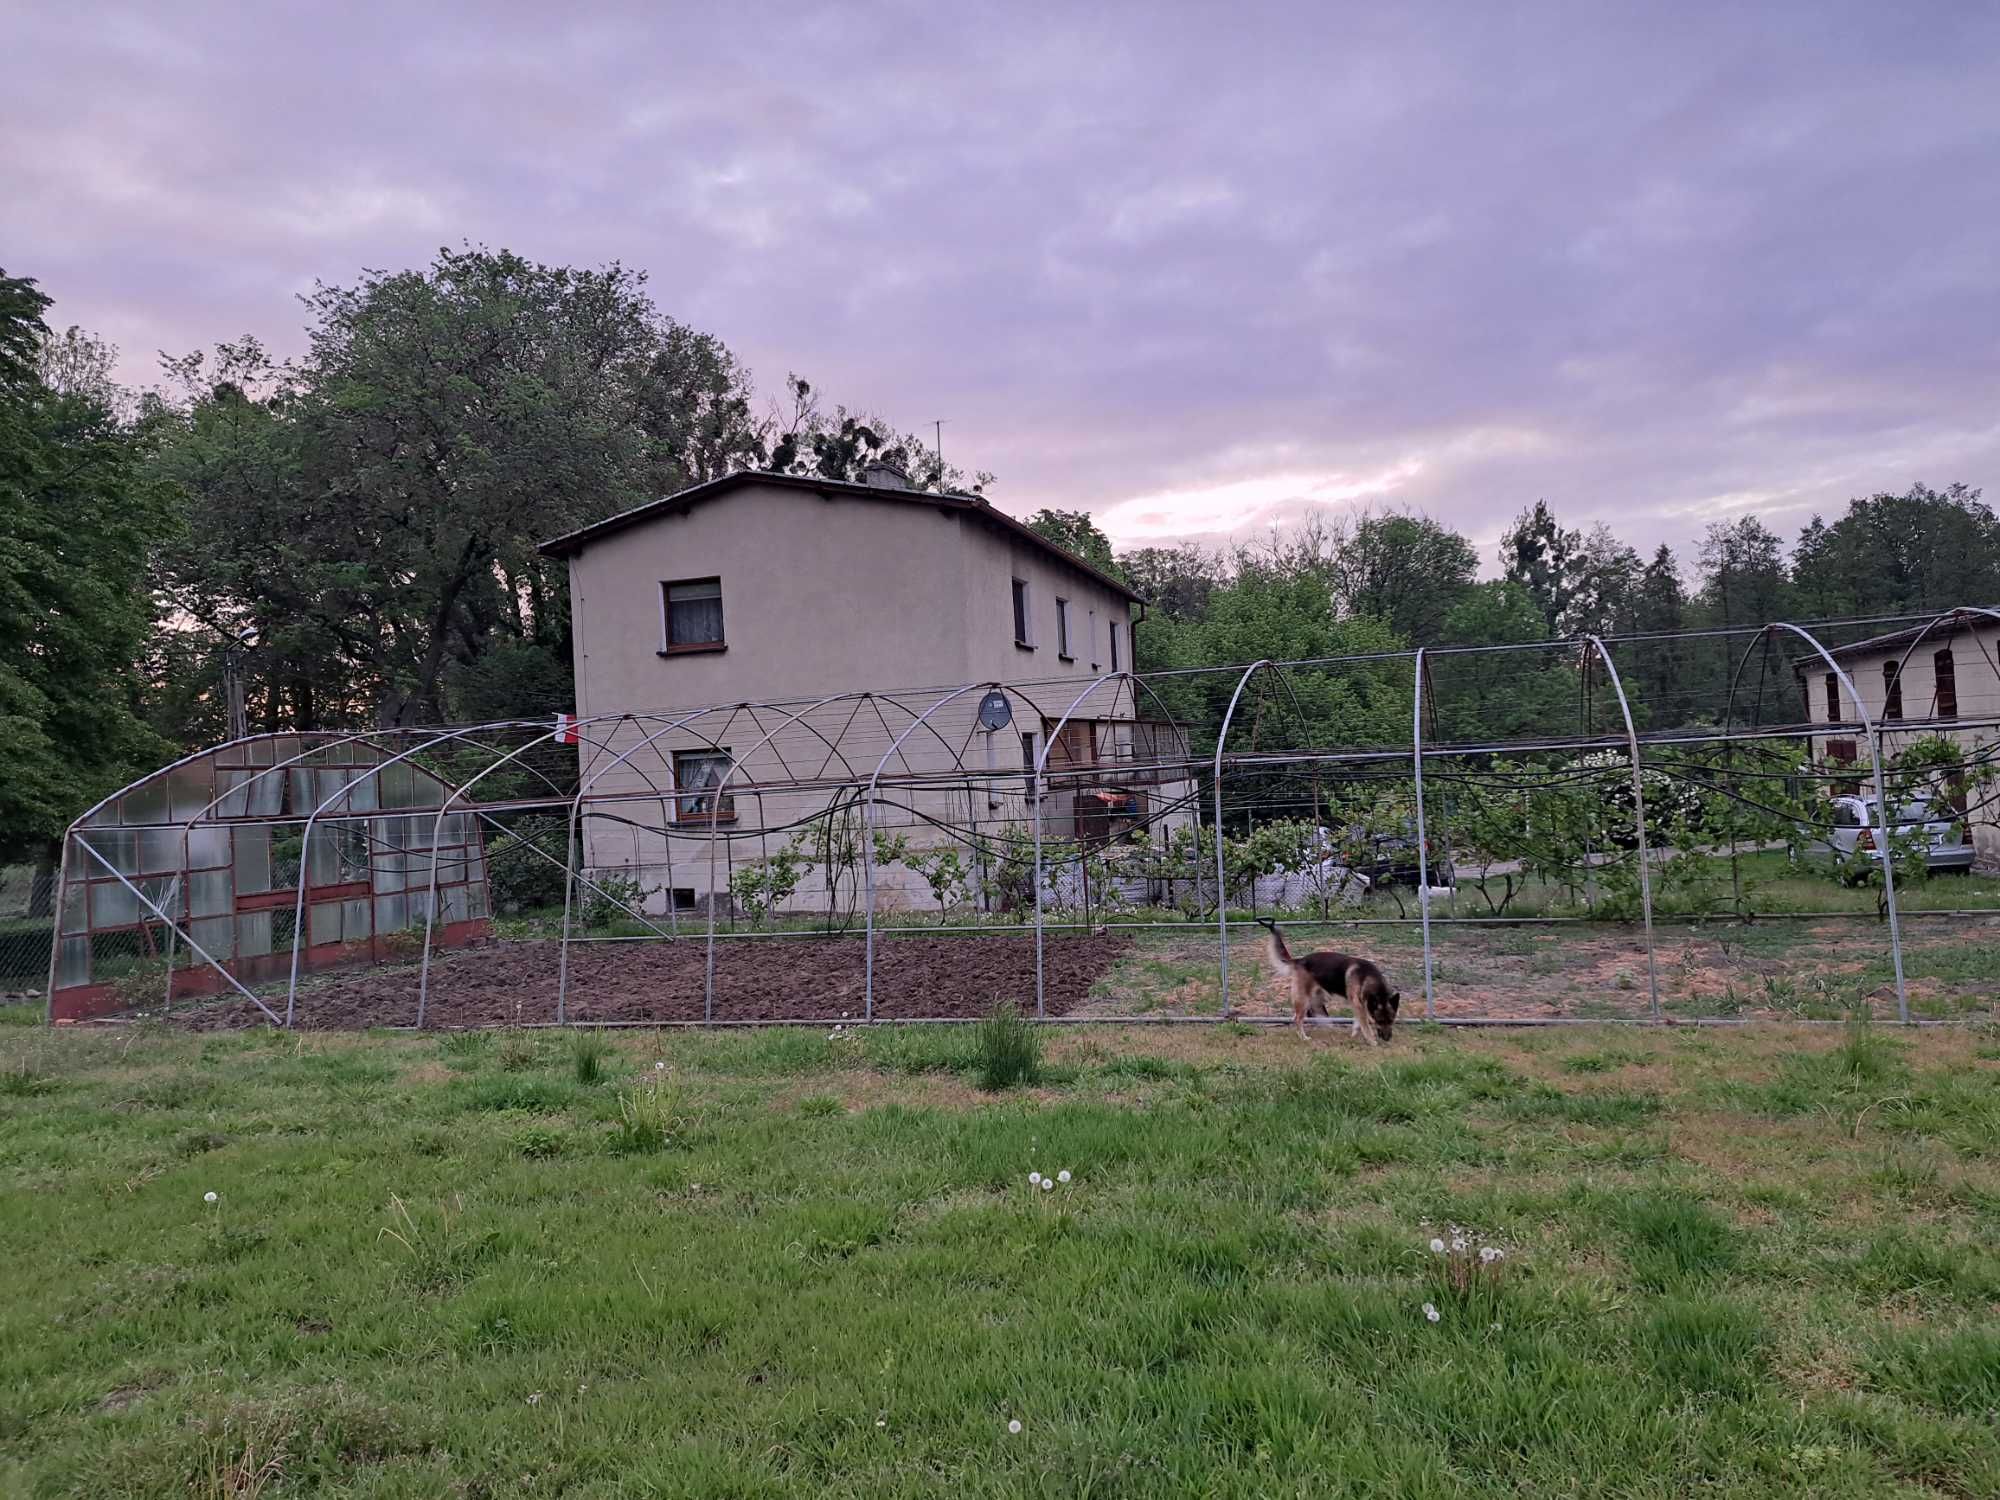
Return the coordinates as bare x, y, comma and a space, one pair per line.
1490, 1254
1048, 1184
1063, 1175
1458, 1244
208, 1197
1034, 1179
1437, 1247
1430, 1312
1014, 1426
659, 1067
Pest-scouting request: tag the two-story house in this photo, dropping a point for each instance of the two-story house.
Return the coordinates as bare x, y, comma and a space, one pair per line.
1944, 680
781, 600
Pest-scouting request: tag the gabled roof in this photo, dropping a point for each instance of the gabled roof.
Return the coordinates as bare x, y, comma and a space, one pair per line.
571, 543
1955, 623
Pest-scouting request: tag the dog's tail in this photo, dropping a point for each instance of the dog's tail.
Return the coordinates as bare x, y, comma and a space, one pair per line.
1275, 952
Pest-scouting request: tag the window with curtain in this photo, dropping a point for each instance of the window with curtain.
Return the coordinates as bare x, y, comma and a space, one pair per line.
693, 614
696, 774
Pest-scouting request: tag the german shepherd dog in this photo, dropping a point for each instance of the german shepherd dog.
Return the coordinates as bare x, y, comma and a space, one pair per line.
1318, 977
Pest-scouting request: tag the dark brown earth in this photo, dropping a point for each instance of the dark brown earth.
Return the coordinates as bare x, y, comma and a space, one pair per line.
774, 979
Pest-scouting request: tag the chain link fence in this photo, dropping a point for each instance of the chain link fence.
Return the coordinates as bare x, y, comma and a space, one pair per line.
26, 921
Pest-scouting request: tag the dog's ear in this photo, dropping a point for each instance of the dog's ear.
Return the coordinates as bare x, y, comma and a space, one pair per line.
1395, 1000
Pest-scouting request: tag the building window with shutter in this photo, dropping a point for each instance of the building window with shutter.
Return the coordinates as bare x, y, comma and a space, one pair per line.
1021, 619
1832, 699
1947, 684
1062, 630
1892, 690
691, 611
1115, 664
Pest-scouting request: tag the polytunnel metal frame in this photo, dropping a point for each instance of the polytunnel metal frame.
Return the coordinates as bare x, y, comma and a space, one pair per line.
598, 732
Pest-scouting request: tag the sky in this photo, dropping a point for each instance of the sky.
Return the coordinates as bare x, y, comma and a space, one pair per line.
1196, 270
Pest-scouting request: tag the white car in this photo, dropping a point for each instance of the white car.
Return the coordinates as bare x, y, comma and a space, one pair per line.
1853, 842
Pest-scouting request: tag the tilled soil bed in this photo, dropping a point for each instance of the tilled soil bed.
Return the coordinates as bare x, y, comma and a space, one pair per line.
778, 979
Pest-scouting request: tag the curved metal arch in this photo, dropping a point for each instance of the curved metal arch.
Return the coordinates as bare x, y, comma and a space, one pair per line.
868, 831
1952, 615
1874, 732
1221, 872
1423, 838
1041, 771
575, 727
1639, 803
570, 852
722, 787
346, 790
361, 736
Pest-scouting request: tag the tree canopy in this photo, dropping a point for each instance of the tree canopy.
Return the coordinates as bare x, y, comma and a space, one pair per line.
78, 517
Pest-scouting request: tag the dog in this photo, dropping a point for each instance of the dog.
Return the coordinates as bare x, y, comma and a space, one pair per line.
1318, 977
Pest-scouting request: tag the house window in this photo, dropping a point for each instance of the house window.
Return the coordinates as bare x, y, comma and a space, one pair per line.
1091, 640
1028, 762
1021, 637
1832, 699
1062, 630
692, 611
1947, 684
695, 770
1114, 648
1892, 690
1842, 752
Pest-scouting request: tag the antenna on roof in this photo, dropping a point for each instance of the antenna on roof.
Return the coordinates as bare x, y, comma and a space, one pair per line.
939, 425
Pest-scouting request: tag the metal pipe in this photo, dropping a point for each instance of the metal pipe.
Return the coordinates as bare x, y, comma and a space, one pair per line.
1221, 873
1423, 837
205, 956
1881, 807
1638, 801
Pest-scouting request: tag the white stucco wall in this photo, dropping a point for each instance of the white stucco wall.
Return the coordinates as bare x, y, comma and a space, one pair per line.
820, 597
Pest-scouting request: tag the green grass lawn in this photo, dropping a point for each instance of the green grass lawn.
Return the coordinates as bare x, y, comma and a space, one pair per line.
1747, 1264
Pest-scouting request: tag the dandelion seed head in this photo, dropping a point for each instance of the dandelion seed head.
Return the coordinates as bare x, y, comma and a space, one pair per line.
534, 1398
1430, 1312
208, 1197
1457, 1244
1014, 1426
1437, 1247
1063, 1175
1048, 1184
1490, 1254
659, 1067
1034, 1179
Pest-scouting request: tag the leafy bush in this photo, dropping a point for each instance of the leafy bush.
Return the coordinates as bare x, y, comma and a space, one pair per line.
518, 878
